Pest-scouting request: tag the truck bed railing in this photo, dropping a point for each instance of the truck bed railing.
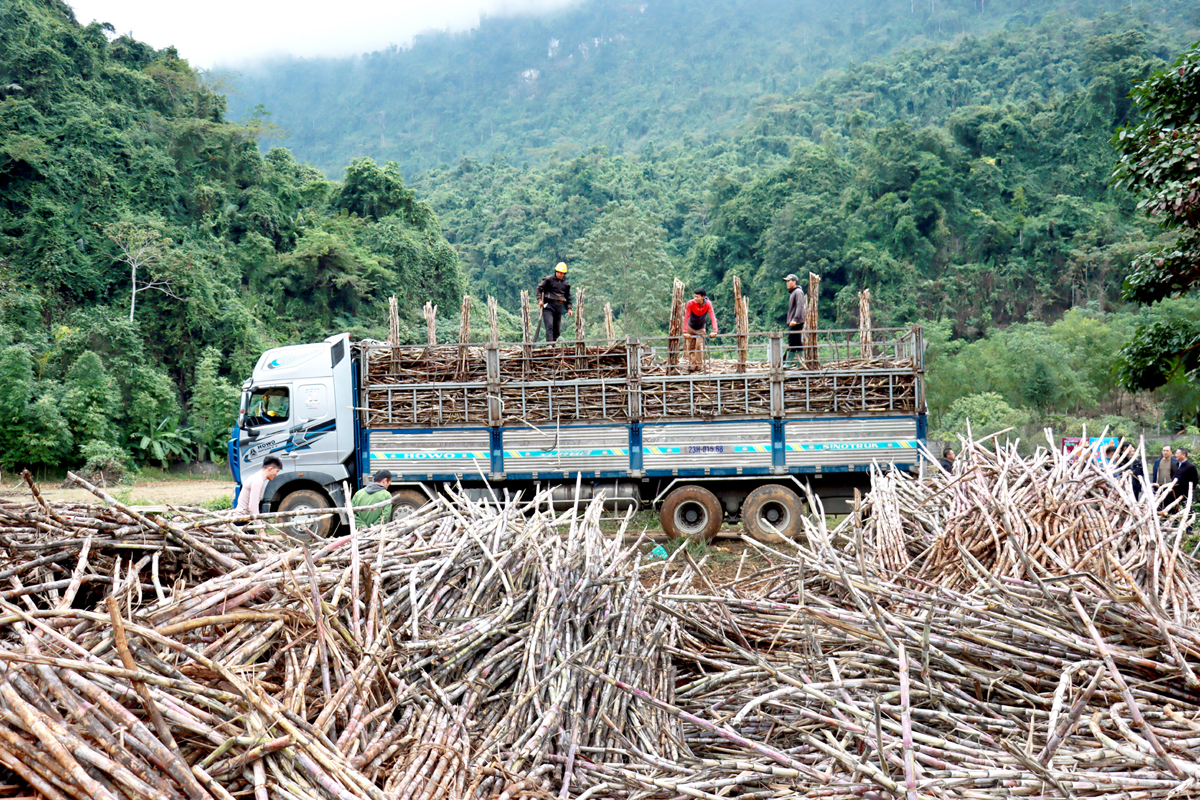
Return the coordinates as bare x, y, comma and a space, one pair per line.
833, 372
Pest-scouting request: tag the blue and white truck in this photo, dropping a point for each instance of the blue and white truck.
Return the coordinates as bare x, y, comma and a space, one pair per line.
735, 440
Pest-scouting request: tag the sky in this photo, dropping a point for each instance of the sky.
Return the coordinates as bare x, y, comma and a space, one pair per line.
231, 32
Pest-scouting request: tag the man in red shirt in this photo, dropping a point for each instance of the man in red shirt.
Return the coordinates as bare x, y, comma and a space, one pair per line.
698, 311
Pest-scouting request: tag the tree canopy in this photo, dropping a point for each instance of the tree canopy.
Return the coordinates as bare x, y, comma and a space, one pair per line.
120, 174
1160, 161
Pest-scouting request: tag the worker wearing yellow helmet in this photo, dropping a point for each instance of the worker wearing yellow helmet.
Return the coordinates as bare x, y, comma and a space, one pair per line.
554, 299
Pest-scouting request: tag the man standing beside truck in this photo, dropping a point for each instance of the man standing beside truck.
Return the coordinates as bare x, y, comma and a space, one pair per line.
250, 499
797, 308
554, 299
372, 494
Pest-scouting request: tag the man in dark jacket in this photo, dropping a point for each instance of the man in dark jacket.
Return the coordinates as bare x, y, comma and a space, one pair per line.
554, 299
370, 495
947, 461
797, 307
1186, 476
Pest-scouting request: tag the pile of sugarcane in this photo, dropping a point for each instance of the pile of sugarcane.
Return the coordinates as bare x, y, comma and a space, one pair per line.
69, 547
441, 656
434, 364
849, 388
1021, 628
854, 388
1002, 516
495, 650
447, 384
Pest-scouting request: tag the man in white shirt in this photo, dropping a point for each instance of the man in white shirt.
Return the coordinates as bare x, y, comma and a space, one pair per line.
251, 496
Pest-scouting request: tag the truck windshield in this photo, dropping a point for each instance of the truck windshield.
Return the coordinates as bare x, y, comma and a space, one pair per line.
267, 406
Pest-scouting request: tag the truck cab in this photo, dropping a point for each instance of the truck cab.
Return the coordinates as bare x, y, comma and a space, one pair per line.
298, 406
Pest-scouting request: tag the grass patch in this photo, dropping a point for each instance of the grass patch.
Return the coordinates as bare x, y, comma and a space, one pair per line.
222, 503
716, 554
644, 520
156, 474
125, 496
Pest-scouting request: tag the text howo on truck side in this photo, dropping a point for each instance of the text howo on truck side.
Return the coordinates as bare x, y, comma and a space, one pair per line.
624, 418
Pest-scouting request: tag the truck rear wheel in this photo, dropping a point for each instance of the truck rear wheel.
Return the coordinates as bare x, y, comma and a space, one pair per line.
405, 502
302, 526
771, 514
691, 512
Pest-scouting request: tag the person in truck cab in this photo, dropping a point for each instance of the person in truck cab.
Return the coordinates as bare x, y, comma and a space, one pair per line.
554, 299
369, 495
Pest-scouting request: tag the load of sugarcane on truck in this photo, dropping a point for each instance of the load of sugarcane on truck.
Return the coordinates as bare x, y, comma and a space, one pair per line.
708, 429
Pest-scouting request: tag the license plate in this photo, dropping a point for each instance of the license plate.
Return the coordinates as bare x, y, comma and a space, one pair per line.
704, 449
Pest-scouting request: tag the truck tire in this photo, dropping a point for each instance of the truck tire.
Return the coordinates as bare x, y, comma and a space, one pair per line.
771, 514
302, 527
406, 502
691, 512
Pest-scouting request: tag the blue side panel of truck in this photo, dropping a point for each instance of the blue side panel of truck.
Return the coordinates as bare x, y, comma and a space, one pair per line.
636, 450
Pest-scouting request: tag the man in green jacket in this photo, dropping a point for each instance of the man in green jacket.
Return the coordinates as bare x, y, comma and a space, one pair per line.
371, 494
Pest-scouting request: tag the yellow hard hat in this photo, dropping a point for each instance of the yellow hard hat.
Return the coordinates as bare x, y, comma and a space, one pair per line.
561, 267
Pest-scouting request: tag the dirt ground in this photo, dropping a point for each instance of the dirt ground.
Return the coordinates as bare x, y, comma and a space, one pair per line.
181, 492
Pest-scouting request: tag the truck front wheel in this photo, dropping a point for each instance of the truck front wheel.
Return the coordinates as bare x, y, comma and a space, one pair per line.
302, 526
771, 514
691, 512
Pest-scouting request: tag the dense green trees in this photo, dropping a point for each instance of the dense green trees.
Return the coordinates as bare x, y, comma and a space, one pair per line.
975, 218
984, 213
1001, 212
32, 430
120, 175
1160, 160
623, 261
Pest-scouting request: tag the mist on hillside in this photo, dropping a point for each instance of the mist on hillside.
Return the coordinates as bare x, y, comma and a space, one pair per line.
609, 73
305, 30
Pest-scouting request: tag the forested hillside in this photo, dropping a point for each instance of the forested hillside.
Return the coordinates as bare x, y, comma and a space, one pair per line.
928, 203
121, 180
622, 74
150, 248
966, 185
